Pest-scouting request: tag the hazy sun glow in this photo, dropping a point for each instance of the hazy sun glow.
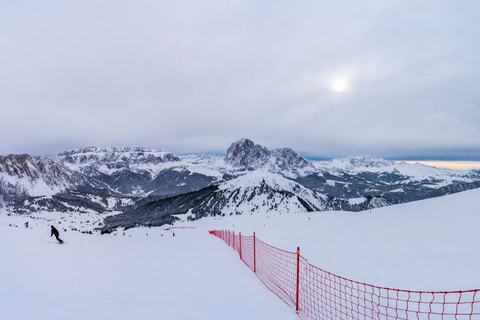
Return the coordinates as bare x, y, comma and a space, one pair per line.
339, 85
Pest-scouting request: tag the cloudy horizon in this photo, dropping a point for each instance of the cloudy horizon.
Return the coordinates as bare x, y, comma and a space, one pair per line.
329, 79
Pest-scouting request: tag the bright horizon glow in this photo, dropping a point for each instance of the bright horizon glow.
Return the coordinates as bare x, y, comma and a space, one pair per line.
457, 165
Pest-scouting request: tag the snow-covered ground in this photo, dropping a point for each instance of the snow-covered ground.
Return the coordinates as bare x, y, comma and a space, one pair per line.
136, 276
425, 245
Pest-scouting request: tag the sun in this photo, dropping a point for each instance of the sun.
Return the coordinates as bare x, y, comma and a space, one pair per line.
339, 85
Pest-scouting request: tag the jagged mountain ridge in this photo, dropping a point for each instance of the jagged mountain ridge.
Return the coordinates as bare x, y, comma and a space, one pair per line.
127, 171
22, 176
246, 155
110, 159
134, 180
136, 171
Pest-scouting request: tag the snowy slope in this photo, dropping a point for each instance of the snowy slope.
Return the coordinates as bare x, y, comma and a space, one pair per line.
136, 276
270, 192
423, 245
248, 194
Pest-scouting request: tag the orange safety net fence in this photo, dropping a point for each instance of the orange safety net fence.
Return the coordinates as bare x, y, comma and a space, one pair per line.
318, 294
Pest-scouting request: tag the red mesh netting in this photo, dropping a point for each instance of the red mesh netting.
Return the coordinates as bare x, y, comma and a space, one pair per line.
277, 270
318, 294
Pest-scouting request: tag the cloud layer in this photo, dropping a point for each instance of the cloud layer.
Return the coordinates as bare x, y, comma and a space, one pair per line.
194, 76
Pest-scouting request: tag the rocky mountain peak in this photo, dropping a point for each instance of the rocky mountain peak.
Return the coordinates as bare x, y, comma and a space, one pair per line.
286, 159
247, 155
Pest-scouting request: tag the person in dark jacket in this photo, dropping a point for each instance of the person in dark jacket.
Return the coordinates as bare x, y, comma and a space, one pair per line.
55, 232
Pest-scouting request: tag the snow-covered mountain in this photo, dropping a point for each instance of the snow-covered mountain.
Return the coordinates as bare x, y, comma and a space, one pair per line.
150, 187
245, 155
144, 172
360, 163
110, 160
135, 171
249, 193
22, 176
397, 182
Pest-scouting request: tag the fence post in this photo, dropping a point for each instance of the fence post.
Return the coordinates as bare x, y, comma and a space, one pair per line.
254, 254
298, 276
240, 237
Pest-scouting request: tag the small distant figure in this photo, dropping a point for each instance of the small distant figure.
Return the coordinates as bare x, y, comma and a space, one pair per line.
55, 232
174, 234
26, 224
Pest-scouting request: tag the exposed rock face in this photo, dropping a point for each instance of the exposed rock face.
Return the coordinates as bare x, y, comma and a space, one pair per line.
246, 155
33, 168
135, 171
288, 160
23, 175
115, 158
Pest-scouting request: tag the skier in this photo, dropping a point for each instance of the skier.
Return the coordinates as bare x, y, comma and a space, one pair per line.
55, 232
26, 224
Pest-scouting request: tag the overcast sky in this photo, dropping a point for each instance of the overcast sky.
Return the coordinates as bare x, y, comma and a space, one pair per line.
394, 79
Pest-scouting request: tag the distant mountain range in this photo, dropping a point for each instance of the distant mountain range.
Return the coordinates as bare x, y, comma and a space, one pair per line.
140, 186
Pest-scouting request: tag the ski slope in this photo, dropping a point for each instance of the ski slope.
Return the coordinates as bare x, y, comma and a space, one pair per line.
149, 274
428, 245
189, 276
